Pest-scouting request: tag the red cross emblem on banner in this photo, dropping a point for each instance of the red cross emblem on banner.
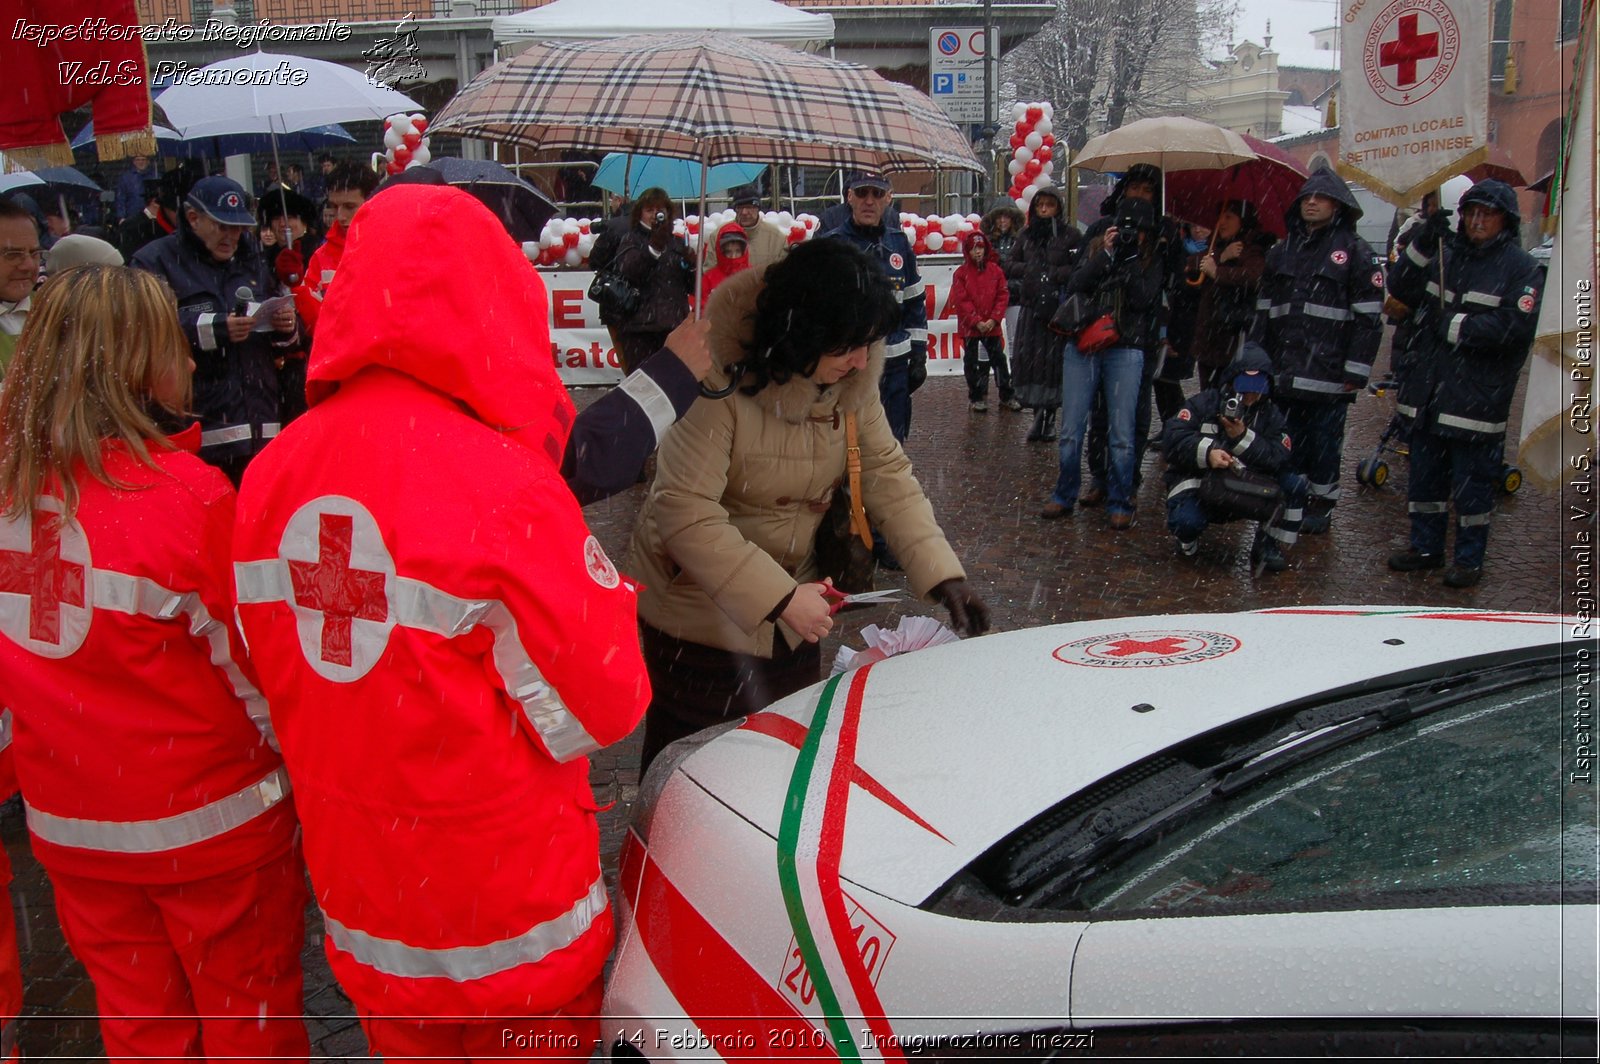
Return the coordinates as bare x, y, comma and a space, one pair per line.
332, 588
44, 578
1406, 50
1123, 648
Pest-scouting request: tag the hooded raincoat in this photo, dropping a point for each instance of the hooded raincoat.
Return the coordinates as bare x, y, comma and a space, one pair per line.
442, 639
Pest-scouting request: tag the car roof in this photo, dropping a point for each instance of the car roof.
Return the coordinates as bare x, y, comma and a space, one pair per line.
957, 746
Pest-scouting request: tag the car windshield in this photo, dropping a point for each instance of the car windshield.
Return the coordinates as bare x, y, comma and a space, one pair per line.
1472, 797
1462, 790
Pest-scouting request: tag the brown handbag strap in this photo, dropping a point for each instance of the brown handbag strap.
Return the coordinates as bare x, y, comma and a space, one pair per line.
852, 465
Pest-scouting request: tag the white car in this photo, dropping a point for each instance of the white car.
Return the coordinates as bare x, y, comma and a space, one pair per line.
1356, 830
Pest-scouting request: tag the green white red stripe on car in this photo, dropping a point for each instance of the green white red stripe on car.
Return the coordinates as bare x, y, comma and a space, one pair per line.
810, 840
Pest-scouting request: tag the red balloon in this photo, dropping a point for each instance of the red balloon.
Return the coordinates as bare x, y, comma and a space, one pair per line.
1049, 139
402, 155
1034, 114
1032, 166
394, 168
420, 124
692, 224
1017, 141
412, 140
1042, 155
570, 239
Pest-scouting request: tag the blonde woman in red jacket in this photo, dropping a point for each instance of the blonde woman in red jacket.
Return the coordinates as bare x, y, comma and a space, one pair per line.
154, 794
978, 296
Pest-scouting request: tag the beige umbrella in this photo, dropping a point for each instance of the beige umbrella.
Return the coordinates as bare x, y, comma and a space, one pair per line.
1172, 143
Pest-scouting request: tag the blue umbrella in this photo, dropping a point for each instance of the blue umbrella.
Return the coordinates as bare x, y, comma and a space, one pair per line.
172, 143
679, 177
60, 179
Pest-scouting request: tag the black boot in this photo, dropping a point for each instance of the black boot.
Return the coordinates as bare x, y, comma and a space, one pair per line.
1049, 434
1036, 433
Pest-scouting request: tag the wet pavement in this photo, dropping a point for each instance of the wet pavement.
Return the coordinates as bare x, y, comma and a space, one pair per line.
986, 484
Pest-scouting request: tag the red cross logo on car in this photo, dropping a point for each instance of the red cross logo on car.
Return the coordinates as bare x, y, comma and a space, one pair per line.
1123, 648
340, 593
44, 583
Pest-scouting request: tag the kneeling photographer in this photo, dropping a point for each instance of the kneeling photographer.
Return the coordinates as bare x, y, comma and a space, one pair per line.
1228, 460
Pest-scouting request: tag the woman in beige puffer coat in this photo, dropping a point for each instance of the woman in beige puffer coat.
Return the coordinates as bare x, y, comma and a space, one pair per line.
731, 610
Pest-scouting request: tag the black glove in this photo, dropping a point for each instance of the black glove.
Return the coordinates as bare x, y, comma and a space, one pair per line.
916, 369
968, 614
1433, 232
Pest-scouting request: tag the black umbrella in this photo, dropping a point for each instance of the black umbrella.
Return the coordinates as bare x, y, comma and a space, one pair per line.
519, 205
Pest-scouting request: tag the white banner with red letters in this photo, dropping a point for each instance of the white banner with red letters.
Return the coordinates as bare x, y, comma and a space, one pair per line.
582, 349
1415, 93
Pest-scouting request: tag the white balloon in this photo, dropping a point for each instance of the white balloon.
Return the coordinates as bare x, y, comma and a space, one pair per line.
1034, 140
571, 258
569, 225
785, 219
950, 225
1041, 179
935, 241
392, 139
1044, 125
1047, 107
1014, 167
531, 249
1023, 155
1019, 111
421, 156
585, 242
402, 126
974, 218
1028, 193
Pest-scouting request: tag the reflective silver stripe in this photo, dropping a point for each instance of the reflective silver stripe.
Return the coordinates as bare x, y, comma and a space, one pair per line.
1287, 538
912, 291
917, 336
231, 434
1416, 256
1264, 303
1487, 299
1244, 442
6, 734
1279, 310
1210, 428
1367, 306
643, 389
168, 833
1295, 513
1407, 411
416, 604
463, 963
1427, 507
1307, 384
270, 429
1317, 310
1325, 491
327, 276
205, 331
1472, 520
1453, 334
1433, 290
1202, 452
1468, 423
138, 596
1358, 369
898, 350
1192, 484
8, 1038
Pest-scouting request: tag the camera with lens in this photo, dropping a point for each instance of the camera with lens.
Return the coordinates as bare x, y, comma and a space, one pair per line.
661, 216
1233, 407
1127, 239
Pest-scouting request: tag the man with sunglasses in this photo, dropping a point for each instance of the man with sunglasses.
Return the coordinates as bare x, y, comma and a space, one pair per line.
867, 196
20, 260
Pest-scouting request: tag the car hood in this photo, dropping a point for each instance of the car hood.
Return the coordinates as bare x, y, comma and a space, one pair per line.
959, 745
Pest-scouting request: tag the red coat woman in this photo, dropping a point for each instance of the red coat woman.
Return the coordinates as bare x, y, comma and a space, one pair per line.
154, 795
442, 641
978, 296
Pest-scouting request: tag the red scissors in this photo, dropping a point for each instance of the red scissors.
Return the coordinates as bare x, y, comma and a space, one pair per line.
843, 601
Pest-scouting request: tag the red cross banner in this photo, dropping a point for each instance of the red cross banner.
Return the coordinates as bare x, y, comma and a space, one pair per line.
1415, 93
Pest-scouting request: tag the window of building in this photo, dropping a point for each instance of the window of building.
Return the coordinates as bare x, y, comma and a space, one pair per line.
1571, 12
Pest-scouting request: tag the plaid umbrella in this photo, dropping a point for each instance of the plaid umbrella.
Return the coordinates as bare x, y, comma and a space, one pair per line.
711, 97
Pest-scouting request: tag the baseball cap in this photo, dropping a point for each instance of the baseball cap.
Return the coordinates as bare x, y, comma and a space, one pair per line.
865, 179
223, 200
1250, 381
745, 194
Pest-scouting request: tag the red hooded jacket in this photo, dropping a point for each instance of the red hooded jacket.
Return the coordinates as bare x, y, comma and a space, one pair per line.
313, 288
442, 639
978, 293
726, 265
129, 690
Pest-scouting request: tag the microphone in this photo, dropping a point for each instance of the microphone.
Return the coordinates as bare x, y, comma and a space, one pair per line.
242, 296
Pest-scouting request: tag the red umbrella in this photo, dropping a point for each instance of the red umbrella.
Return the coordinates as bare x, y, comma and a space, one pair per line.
1500, 166
1271, 182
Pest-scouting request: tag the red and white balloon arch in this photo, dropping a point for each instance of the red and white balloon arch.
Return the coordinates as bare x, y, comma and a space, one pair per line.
1033, 144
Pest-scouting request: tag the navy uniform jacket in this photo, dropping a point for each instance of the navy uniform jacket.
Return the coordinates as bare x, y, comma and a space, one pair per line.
890, 248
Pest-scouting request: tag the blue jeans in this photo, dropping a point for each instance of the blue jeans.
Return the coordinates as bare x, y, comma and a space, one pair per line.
1117, 372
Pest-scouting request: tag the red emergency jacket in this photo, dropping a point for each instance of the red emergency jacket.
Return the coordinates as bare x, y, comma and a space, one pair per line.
142, 743
313, 288
441, 638
978, 293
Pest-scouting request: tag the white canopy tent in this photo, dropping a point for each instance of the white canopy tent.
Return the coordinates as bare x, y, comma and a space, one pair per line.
765, 20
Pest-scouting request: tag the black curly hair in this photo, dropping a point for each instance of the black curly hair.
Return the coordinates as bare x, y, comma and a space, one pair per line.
824, 297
